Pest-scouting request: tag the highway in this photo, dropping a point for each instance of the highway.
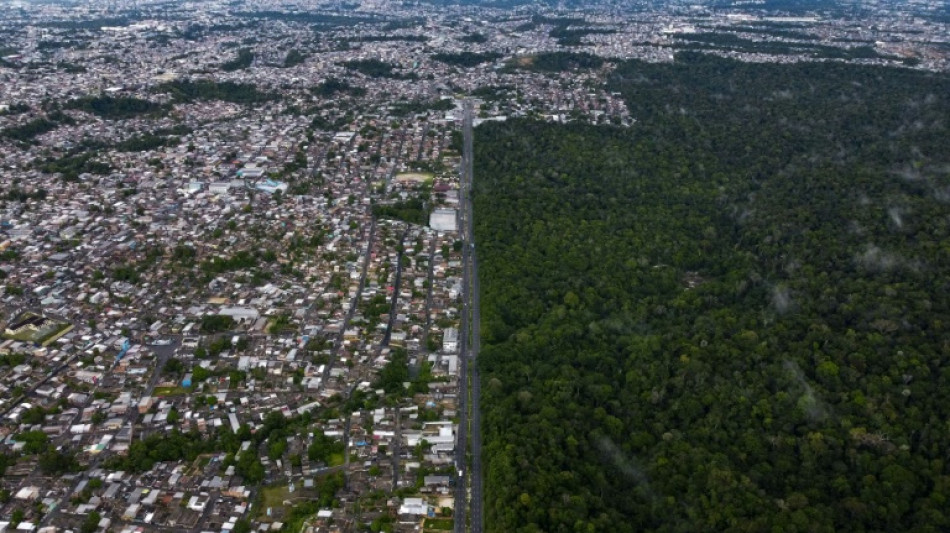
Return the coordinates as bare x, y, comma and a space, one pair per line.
468, 491
475, 431
475, 421
461, 448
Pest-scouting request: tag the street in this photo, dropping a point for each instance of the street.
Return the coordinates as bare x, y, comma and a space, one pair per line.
468, 491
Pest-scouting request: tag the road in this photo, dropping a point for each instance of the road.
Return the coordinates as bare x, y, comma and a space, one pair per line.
346, 446
397, 441
162, 355
468, 491
393, 305
477, 511
17, 401
477, 480
424, 342
422, 141
338, 344
461, 448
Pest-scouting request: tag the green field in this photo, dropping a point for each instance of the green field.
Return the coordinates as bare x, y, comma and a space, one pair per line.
48, 332
414, 176
273, 498
170, 391
438, 524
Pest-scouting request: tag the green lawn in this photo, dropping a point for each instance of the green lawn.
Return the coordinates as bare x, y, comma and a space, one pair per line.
54, 333
273, 497
25, 336
438, 524
170, 391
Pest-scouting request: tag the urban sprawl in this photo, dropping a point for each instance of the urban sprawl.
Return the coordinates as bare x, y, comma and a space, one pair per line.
234, 244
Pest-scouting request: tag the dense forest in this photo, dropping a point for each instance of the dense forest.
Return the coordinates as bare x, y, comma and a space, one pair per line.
575, 36
112, 107
734, 43
332, 86
558, 61
466, 59
374, 68
730, 316
474, 38
152, 140
412, 210
228, 91
37, 126
293, 58
70, 167
244, 59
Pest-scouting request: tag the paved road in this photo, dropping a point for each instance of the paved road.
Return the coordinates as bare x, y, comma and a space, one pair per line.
393, 306
475, 432
423, 354
396, 449
338, 344
461, 449
469, 510
461, 503
422, 142
477, 479
26, 394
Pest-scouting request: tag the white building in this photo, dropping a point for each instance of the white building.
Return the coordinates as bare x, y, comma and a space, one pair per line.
450, 340
444, 220
414, 506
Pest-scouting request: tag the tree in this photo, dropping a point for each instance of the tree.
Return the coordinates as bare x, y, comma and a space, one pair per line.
58, 462
323, 447
173, 366
216, 323
199, 374
241, 526
250, 468
6, 461
91, 523
35, 442
276, 448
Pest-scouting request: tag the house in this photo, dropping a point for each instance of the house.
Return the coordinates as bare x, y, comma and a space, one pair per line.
219, 187
436, 481
413, 506
450, 340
